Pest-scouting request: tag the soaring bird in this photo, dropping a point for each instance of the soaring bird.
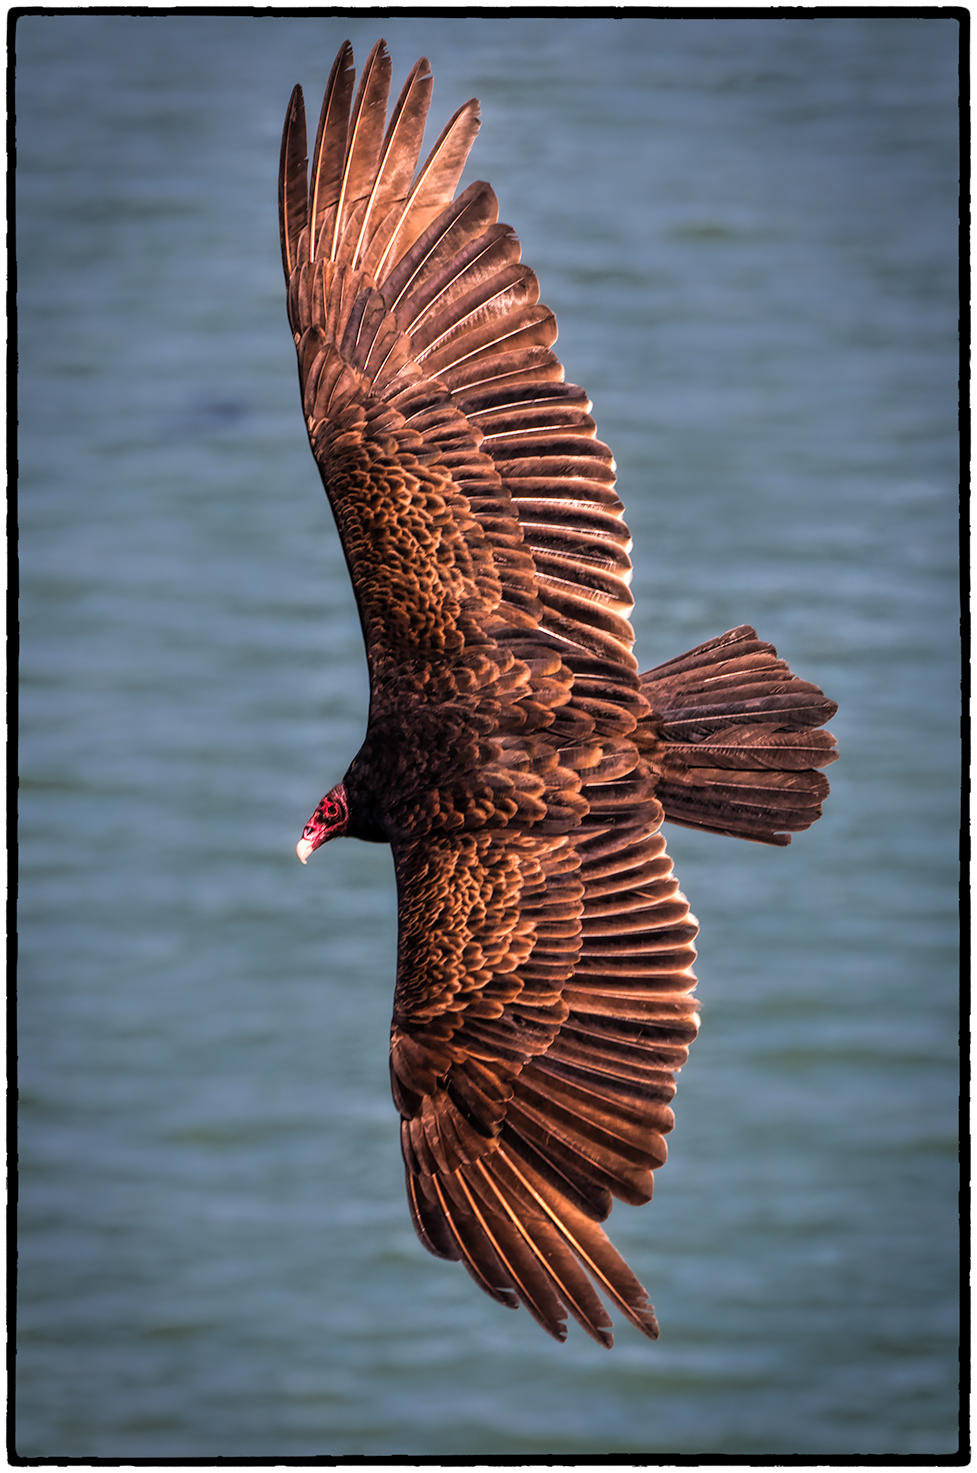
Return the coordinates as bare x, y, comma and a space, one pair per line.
515, 760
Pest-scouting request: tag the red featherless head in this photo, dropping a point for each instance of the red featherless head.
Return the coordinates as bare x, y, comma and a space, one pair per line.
330, 821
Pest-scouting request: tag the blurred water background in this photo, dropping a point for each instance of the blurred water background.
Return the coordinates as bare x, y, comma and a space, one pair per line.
747, 229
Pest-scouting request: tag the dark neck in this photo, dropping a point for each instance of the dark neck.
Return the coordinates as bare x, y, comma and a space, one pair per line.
364, 820
364, 829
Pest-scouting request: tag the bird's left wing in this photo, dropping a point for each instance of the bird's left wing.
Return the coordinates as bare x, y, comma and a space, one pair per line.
541, 1009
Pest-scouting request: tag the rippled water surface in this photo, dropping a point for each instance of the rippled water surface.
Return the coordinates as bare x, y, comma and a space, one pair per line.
747, 230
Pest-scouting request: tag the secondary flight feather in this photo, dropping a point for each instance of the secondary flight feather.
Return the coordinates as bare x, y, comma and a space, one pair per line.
516, 761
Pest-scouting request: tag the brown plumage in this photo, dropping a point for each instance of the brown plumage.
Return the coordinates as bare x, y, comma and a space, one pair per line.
515, 760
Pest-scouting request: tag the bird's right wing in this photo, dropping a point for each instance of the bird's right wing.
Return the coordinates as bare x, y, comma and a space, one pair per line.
422, 343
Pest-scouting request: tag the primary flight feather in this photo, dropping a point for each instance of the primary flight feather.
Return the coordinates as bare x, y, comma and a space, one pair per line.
515, 760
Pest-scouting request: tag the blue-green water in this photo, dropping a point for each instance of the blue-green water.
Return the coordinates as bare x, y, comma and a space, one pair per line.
747, 230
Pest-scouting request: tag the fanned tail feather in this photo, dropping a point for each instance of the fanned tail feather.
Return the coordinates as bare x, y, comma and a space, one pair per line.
737, 740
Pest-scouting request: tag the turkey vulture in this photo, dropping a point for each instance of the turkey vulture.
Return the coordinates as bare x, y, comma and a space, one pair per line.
515, 760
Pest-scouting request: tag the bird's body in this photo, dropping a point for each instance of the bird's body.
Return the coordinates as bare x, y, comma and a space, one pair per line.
515, 759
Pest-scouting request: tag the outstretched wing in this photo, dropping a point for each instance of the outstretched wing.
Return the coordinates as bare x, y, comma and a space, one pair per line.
464, 473
542, 1008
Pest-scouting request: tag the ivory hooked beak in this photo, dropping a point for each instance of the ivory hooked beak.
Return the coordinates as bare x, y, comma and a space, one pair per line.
303, 849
